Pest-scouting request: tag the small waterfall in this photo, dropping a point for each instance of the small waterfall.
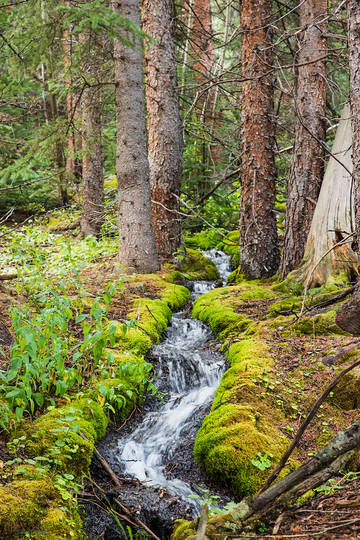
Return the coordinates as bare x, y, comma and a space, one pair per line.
191, 374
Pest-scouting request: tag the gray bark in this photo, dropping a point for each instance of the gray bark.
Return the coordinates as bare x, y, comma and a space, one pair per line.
137, 249
307, 166
164, 126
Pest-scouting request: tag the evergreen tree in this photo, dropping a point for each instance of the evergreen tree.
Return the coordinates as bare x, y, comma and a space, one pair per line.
137, 249
259, 250
165, 136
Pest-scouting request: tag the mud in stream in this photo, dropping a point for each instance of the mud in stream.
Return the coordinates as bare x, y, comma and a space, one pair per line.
152, 454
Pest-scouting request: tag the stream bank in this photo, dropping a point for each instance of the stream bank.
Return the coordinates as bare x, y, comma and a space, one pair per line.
153, 452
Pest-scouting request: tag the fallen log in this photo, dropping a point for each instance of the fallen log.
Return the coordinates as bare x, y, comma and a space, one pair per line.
66, 227
279, 497
11, 275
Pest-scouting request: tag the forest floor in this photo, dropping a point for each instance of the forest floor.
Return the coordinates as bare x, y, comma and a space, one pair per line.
37, 253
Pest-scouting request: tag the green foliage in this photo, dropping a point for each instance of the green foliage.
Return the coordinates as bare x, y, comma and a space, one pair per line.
213, 502
45, 361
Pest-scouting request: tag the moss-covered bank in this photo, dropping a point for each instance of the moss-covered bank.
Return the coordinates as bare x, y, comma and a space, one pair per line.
242, 438
65, 436
241, 427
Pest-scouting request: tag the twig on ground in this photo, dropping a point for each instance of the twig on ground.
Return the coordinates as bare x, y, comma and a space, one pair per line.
204, 516
117, 483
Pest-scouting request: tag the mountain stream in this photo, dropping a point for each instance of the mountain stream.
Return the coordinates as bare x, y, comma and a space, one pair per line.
188, 372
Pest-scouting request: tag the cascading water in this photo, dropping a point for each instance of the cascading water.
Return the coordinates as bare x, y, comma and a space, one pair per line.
190, 373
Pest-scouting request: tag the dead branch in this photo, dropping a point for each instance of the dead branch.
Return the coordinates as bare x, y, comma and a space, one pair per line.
342, 351
5, 277
217, 185
204, 516
67, 227
332, 300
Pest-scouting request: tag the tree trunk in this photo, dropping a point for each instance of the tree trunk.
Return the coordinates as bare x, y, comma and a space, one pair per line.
354, 65
332, 220
348, 317
137, 249
92, 211
164, 126
259, 251
307, 164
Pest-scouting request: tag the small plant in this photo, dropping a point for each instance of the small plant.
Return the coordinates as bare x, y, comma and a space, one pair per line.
213, 502
262, 461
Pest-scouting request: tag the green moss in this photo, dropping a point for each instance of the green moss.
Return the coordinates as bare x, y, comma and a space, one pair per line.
174, 296
197, 267
58, 526
184, 530
203, 240
230, 438
32, 506
242, 423
346, 393
323, 324
217, 308
57, 435
151, 318
174, 277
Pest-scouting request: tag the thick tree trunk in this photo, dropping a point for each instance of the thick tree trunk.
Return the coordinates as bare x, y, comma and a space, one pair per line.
307, 164
92, 215
349, 316
259, 251
354, 65
137, 249
164, 126
333, 218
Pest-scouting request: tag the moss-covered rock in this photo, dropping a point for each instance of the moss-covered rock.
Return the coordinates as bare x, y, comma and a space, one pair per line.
220, 307
58, 435
241, 427
34, 509
197, 267
203, 240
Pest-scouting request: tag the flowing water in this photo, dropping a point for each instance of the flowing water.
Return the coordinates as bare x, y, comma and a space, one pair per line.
190, 373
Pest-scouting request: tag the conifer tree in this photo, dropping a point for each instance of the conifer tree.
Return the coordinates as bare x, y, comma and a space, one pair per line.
137, 249
259, 250
164, 126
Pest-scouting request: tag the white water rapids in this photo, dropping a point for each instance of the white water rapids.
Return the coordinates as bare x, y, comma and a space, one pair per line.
192, 373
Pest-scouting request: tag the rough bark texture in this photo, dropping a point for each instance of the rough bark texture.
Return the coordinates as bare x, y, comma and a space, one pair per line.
92, 215
259, 251
164, 126
203, 46
137, 249
333, 217
349, 316
354, 65
307, 164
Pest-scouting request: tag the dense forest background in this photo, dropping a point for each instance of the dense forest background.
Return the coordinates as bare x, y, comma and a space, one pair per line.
58, 106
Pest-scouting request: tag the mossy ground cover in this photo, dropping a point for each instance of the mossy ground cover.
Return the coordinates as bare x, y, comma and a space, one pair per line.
51, 448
